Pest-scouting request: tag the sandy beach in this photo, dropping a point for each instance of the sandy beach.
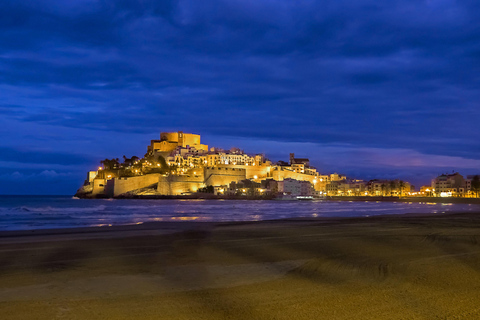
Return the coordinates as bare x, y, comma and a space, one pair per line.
386, 267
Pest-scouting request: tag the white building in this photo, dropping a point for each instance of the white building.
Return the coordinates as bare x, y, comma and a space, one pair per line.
295, 187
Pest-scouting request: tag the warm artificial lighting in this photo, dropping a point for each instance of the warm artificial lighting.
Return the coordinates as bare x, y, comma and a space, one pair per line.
99, 168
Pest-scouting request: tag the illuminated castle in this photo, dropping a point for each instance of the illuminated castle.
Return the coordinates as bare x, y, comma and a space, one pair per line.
191, 166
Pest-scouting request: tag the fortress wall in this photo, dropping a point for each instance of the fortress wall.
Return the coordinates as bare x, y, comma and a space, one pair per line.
190, 139
250, 171
118, 186
223, 175
98, 186
178, 184
165, 146
260, 171
169, 136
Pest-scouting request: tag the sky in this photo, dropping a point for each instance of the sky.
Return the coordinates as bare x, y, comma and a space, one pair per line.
367, 88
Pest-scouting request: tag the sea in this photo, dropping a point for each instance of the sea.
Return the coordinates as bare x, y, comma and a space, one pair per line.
47, 212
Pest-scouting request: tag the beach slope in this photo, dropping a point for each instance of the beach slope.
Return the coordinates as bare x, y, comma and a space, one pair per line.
390, 267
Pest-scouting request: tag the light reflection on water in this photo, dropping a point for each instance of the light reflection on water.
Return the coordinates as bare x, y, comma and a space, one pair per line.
17, 213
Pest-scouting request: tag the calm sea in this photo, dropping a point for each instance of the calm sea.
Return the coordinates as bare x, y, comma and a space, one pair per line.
41, 212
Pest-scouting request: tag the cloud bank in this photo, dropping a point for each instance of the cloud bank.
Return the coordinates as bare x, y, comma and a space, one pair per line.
394, 83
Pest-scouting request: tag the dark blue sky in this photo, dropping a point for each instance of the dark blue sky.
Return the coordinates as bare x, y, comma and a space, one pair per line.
386, 89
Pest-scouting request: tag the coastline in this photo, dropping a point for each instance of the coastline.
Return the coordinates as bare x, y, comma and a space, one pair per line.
392, 266
271, 197
408, 199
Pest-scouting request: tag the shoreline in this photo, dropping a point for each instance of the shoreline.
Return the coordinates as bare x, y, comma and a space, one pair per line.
269, 197
170, 227
413, 266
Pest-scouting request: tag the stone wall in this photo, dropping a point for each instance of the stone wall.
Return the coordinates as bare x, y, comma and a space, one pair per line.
223, 175
177, 184
261, 172
117, 186
98, 186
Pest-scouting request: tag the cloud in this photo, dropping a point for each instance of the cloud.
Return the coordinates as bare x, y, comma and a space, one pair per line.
45, 182
398, 75
41, 157
45, 175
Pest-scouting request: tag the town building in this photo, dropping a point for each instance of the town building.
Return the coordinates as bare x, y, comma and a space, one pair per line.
295, 187
449, 185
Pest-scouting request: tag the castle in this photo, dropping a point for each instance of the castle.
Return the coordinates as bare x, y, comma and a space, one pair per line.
192, 166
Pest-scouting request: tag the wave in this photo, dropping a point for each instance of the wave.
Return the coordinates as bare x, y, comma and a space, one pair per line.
50, 209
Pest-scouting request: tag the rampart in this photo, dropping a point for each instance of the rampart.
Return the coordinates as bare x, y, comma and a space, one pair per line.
173, 185
98, 186
117, 186
223, 175
261, 172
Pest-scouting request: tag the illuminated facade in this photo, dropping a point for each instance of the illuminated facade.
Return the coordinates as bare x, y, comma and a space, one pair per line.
295, 187
447, 185
169, 141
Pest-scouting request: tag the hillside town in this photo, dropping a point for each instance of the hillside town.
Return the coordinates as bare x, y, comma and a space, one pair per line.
178, 164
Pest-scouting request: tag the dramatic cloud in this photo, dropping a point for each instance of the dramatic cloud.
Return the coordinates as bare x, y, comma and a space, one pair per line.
399, 75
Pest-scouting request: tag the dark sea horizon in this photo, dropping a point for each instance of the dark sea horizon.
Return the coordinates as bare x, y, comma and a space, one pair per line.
47, 212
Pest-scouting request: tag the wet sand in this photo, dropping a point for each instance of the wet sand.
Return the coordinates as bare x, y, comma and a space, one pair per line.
390, 267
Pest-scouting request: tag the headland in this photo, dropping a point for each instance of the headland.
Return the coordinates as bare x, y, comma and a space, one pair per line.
178, 165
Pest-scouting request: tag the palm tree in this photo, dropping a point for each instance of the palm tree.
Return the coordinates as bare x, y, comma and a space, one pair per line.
476, 184
401, 185
393, 186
